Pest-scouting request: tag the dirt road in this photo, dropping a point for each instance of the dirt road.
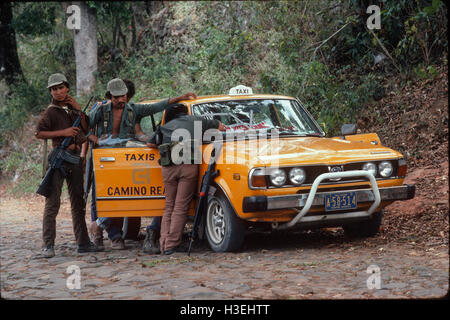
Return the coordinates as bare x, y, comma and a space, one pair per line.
322, 264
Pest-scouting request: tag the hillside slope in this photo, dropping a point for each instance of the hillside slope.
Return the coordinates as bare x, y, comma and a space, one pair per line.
414, 120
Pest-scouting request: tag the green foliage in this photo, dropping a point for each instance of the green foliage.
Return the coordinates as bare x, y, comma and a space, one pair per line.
319, 51
421, 72
15, 108
34, 18
23, 169
425, 34
106, 9
335, 99
41, 53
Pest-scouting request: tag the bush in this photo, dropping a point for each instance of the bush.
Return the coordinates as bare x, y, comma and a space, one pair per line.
335, 99
18, 103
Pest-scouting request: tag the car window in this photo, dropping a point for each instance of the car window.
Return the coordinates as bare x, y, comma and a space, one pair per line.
147, 124
130, 140
127, 141
283, 115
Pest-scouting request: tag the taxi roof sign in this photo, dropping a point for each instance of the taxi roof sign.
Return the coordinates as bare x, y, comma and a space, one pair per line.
240, 90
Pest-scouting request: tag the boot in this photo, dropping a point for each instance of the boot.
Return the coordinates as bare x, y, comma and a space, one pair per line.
151, 244
97, 235
48, 251
118, 244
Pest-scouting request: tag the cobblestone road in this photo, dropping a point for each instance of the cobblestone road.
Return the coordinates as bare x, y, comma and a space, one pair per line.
297, 265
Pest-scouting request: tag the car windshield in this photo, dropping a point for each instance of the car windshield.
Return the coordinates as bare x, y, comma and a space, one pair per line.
284, 116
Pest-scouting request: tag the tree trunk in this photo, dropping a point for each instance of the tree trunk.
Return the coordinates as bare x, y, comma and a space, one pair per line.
133, 28
85, 45
10, 68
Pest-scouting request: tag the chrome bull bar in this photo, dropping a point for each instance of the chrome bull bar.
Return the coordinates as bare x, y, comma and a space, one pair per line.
334, 175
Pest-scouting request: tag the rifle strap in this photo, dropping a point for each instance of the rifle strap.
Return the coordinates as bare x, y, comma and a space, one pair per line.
107, 119
130, 120
44, 156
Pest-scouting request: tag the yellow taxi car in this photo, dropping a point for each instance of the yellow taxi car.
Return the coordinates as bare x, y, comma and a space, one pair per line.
276, 168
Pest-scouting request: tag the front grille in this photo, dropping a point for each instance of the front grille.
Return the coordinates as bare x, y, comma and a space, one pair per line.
335, 189
312, 172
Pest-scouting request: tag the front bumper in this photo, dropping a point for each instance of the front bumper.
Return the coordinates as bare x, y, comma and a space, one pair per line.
264, 203
302, 203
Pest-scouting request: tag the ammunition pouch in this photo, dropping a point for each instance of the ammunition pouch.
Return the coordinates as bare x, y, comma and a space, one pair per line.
165, 151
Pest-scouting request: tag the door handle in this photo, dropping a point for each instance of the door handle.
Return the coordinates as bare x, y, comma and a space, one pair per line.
107, 159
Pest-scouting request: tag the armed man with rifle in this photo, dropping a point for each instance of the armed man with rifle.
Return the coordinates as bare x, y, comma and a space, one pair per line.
180, 177
67, 125
118, 118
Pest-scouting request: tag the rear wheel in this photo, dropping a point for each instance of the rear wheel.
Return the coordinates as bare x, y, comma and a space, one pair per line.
224, 230
366, 228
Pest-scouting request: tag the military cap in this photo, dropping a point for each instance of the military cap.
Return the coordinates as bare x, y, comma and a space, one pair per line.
55, 79
117, 87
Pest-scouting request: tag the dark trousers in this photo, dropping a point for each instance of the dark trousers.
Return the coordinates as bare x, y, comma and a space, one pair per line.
74, 180
180, 182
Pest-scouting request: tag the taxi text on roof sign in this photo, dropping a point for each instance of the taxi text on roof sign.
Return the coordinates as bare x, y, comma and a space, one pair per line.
240, 90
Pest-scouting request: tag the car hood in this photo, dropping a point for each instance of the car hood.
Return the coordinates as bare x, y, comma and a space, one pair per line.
303, 150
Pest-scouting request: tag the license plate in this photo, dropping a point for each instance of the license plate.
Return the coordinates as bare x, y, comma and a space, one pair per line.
340, 201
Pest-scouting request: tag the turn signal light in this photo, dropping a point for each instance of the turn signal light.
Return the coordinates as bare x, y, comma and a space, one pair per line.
402, 168
258, 181
257, 178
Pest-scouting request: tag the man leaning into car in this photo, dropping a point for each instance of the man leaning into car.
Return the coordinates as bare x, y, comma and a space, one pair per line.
114, 119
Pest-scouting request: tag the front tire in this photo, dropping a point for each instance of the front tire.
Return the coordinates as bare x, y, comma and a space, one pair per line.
224, 230
366, 228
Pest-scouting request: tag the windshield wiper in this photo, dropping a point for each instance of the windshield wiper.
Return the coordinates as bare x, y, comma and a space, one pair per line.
293, 133
314, 134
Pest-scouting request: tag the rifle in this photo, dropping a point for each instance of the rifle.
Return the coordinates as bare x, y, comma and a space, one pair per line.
89, 162
88, 173
207, 178
57, 157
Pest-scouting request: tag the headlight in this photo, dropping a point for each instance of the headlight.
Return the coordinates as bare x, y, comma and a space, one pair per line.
371, 167
278, 177
297, 176
385, 169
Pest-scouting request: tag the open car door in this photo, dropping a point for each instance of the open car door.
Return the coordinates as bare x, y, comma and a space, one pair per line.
128, 180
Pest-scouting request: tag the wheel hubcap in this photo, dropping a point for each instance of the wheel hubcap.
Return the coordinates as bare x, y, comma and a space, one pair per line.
216, 222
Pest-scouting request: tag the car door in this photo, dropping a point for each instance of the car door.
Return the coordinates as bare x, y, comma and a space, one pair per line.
128, 182
128, 177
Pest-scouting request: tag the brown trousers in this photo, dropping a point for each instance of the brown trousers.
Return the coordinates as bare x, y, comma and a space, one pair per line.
74, 180
180, 182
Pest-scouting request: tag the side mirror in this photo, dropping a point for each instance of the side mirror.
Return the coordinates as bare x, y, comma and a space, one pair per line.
348, 129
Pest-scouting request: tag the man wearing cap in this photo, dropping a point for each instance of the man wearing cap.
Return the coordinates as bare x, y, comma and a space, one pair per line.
119, 124
56, 124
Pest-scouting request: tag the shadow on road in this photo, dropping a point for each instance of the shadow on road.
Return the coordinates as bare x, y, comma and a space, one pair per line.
256, 240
